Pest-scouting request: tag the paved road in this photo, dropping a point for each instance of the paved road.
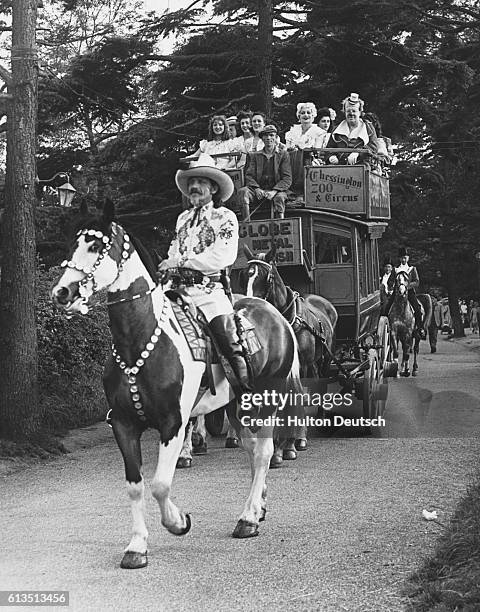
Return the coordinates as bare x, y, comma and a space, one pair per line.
344, 527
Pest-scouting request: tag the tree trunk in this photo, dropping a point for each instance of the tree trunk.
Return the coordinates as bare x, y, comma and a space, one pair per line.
265, 51
19, 408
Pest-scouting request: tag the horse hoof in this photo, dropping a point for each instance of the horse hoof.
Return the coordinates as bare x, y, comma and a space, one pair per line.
232, 443
263, 515
433, 350
200, 450
245, 529
183, 530
289, 454
407, 374
414, 373
184, 462
276, 461
134, 560
301, 444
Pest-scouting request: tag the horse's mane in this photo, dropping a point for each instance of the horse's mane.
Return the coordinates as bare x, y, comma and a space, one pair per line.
145, 257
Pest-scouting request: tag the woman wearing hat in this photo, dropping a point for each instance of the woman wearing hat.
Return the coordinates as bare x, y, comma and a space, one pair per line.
352, 133
205, 243
232, 126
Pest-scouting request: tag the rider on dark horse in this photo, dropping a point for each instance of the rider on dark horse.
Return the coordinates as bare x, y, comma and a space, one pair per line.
413, 283
206, 242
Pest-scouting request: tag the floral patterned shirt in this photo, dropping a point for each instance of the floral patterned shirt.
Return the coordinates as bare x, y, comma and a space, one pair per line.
206, 240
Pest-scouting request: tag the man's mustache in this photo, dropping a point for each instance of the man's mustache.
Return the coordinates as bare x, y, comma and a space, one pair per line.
194, 191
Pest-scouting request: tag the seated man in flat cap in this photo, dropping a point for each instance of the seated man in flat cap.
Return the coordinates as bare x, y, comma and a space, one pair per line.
268, 176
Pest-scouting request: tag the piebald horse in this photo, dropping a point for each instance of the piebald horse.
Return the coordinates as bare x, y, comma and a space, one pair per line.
313, 319
151, 379
402, 324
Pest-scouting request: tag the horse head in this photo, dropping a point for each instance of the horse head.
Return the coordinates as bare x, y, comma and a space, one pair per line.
401, 284
262, 272
99, 255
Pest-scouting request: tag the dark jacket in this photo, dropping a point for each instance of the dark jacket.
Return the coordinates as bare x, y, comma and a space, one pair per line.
282, 169
340, 141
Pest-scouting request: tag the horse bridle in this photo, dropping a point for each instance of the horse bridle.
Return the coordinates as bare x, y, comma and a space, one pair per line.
405, 276
270, 278
270, 282
108, 243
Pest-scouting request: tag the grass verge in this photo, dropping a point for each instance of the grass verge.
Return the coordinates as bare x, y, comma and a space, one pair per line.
450, 580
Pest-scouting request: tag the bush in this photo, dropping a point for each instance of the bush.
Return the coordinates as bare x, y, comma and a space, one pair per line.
72, 353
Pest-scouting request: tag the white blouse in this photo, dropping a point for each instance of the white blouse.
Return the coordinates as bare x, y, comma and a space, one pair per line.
215, 147
315, 136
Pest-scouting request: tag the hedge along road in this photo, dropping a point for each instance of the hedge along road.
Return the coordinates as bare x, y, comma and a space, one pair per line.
344, 527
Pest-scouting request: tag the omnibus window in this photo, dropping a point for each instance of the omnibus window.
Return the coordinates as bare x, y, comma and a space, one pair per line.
332, 247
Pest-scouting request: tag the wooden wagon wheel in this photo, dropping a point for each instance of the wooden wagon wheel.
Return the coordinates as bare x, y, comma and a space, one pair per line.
371, 380
387, 365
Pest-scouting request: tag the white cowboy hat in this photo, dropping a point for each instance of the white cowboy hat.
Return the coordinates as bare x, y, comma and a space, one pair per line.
205, 166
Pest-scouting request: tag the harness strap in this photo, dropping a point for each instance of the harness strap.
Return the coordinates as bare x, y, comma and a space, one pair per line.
130, 299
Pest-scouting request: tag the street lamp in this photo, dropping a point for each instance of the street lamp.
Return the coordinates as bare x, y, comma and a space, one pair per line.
66, 192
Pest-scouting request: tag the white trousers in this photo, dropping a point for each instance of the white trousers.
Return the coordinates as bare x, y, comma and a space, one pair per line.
212, 302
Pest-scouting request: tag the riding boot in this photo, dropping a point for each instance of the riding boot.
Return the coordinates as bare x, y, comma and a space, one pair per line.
225, 332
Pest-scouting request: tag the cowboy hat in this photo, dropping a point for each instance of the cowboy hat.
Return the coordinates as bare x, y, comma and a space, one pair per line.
204, 166
403, 252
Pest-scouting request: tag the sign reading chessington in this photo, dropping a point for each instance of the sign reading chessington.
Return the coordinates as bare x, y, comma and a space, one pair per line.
340, 189
259, 236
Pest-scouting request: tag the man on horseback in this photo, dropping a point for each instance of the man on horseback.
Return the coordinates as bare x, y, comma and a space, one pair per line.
206, 242
413, 283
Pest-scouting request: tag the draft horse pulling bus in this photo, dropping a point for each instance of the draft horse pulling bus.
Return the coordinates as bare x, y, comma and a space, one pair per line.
151, 379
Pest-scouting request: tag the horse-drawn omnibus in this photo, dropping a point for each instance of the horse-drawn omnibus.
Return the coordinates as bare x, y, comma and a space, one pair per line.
327, 246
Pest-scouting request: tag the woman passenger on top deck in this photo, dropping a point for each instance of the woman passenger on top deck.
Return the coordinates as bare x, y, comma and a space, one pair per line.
303, 135
244, 142
325, 124
259, 121
218, 142
352, 133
